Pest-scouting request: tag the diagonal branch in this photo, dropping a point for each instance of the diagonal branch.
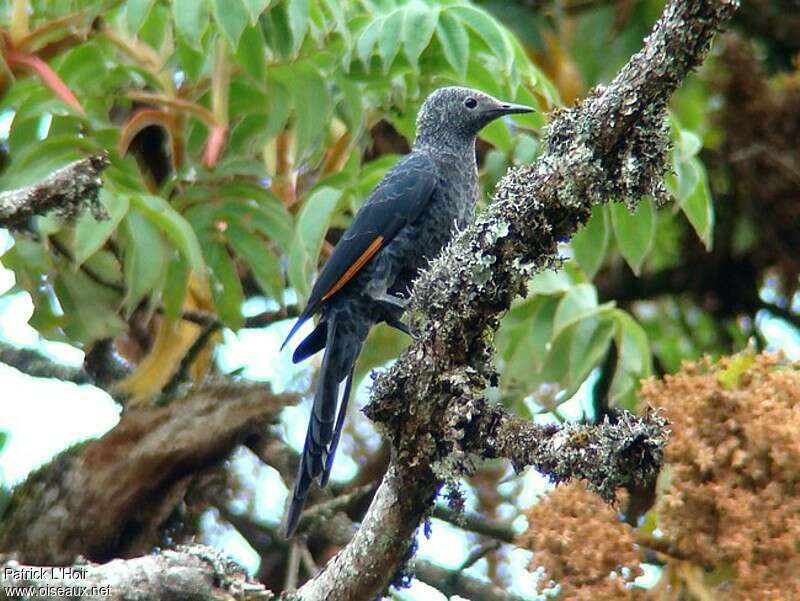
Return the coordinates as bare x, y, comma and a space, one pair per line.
35, 364
67, 191
613, 146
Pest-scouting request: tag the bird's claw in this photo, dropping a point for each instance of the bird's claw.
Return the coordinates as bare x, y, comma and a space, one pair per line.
399, 325
395, 301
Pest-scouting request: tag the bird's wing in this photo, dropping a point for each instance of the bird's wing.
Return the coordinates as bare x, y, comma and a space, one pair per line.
396, 201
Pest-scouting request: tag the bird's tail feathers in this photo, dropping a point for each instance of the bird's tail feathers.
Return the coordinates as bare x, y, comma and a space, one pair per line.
325, 422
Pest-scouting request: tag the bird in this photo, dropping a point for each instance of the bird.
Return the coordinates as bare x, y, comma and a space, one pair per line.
405, 221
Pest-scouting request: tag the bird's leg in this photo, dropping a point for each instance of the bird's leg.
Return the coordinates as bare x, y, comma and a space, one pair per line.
378, 290
389, 299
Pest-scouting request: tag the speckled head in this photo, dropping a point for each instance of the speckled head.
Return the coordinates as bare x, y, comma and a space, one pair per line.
455, 115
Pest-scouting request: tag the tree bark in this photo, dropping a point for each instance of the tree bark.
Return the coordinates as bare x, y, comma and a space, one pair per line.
108, 497
614, 146
67, 191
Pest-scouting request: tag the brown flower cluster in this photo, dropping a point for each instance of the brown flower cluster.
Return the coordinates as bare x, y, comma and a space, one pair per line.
581, 544
733, 497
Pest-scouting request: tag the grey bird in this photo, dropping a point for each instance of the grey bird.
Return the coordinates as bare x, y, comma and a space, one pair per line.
404, 223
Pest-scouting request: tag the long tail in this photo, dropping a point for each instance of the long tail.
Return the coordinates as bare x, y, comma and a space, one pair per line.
324, 425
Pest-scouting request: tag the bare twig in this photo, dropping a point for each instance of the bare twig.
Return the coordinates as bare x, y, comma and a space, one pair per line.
34, 364
477, 554
456, 583
475, 523
67, 191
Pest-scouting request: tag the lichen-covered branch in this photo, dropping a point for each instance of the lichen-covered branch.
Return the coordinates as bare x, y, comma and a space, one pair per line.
614, 146
188, 573
109, 497
67, 191
626, 452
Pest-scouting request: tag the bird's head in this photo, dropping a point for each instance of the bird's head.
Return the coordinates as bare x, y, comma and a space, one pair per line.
454, 114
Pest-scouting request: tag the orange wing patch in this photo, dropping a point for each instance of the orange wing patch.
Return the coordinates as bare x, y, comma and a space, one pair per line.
355, 267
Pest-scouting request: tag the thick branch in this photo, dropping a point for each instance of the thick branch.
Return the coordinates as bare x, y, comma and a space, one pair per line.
118, 490
187, 574
67, 191
613, 146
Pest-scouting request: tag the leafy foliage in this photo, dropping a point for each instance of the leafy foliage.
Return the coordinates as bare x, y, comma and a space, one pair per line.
237, 133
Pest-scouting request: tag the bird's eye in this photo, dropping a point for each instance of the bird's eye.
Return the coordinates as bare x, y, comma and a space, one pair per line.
470, 103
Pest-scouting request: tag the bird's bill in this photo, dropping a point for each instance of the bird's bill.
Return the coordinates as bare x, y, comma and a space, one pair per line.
507, 108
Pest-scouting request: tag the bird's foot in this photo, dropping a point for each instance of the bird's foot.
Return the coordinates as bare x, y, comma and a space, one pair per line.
399, 325
395, 301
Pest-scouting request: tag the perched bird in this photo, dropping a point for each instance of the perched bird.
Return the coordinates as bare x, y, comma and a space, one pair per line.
407, 219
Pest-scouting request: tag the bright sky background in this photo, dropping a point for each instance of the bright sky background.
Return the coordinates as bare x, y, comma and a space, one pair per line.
45, 416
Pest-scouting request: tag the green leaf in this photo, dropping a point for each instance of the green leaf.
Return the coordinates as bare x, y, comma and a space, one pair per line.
136, 12
687, 174
266, 267
176, 286
157, 25
488, 29
550, 282
634, 232
312, 224
298, 21
144, 258
255, 8
251, 55
699, 208
366, 40
634, 361
352, 105
232, 18
192, 60
279, 104
590, 244
389, 40
419, 23
226, 289
191, 20
174, 226
689, 144
578, 304
258, 209
90, 235
455, 42
591, 343
312, 106
575, 351
89, 309
523, 338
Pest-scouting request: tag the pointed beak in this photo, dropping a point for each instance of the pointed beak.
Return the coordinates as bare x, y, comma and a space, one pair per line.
507, 108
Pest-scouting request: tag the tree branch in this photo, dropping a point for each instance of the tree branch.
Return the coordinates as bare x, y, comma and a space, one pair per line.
457, 583
476, 523
189, 573
613, 146
35, 364
118, 490
67, 191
